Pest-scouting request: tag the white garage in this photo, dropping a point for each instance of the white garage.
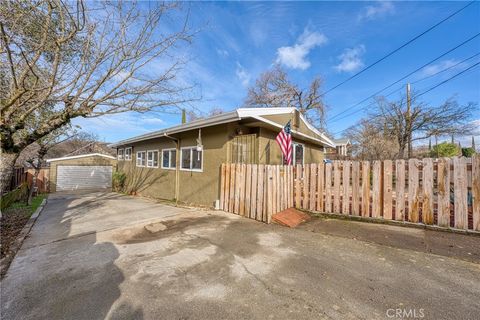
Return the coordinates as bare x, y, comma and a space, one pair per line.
83, 172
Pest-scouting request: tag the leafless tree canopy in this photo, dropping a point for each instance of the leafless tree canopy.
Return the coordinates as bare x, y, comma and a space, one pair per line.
274, 89
386, 131
85, 59
193, 115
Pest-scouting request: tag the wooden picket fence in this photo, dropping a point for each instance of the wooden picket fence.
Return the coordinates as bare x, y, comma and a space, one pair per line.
443, 192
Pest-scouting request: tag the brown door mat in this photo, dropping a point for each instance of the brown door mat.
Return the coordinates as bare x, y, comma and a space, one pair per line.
290, 217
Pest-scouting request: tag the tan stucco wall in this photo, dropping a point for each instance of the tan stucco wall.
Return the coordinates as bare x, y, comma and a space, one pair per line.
200, 188
270, 152
87, 161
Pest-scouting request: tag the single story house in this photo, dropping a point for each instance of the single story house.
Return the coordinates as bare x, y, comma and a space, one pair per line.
183, 162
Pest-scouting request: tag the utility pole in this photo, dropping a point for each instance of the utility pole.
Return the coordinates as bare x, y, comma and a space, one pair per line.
408, 124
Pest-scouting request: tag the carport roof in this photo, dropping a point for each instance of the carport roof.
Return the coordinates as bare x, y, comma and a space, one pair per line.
238, 114
81, 156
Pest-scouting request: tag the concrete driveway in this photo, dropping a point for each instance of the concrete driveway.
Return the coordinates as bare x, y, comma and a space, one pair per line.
97, 256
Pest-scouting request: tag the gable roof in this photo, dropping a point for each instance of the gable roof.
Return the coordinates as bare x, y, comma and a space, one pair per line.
342, 141
81, 156
232, 116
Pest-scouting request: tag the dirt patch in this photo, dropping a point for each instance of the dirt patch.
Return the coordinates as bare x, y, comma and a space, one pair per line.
12, 223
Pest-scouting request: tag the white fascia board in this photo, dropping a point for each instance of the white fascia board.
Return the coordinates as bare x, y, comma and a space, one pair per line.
81, 156
295, 132
255, 112
311, 127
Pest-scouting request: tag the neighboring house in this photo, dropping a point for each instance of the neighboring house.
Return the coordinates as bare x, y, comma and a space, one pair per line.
342, 147
183, 162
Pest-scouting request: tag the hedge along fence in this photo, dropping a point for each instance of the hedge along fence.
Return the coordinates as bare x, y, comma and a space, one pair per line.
20, 193
443, 192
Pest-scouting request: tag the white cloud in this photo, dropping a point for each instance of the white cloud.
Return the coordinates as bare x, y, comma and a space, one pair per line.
242, 75
351, 59
222, 53
434, 68
295, 56
379, 9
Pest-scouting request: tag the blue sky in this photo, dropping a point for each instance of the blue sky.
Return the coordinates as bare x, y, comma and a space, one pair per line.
240, 40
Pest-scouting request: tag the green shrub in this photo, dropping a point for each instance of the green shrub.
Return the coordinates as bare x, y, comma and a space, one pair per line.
118, 181
19, 194
445, 149
468, 152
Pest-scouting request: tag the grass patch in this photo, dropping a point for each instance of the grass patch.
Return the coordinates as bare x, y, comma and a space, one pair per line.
28, 209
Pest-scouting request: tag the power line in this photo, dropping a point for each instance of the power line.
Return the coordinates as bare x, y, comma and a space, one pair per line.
397, 49
426, 91
408, 75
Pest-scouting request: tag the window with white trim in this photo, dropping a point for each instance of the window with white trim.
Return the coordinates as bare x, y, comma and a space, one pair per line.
191, 159
169, 158
152, 158
298, 154
128, 154
120, 154
141, 158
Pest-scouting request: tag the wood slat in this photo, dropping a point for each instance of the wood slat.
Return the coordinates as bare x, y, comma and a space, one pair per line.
336, 186
298, 191
320, 186
387, 189
254, 196
233, 175
400, 190
356, 188
269, 192
306, 184
365, 189
241, 189
274, 190
260, 192
290, 173
248, 189
328, 187
377, 187
279, 189
413, 190
427, 199
313, 186
443, 198
346, 187
460, 193
476, 191
222, 185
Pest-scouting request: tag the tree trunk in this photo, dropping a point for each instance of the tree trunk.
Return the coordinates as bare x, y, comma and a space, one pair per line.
33, 186
7, 163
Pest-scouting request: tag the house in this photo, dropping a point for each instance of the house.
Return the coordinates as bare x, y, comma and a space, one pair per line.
183, 162
342, 146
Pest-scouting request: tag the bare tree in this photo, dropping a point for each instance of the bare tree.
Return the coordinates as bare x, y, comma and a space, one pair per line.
370, 143
423, 121
193, 115
80, 61
274, 89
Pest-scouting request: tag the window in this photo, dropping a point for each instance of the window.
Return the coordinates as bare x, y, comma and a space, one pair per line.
242, 149
128, 154
141, 155
120, 154
169, 158
152, 159
191, 159
298, 154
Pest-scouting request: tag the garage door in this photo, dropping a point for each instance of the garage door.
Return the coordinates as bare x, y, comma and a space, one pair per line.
83, 177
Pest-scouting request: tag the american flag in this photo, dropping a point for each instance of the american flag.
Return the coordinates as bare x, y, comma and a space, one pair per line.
284, 140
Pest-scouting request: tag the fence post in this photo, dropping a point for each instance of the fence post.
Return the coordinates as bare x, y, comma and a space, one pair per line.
328, 188
313, 186
460, 193
320, 184
336, 186
413, 201
356, 188
387, 190
377, 189
443, 199
427, 203
400, 190
365, 189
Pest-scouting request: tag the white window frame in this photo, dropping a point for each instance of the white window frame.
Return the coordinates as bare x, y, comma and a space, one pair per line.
295, 144
125, 154
169, 159
191, 158
120, 154
145, 157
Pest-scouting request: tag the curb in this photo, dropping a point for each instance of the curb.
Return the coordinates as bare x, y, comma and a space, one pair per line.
5, 262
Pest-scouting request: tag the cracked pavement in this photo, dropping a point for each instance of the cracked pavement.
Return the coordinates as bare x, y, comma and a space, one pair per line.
109, 256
